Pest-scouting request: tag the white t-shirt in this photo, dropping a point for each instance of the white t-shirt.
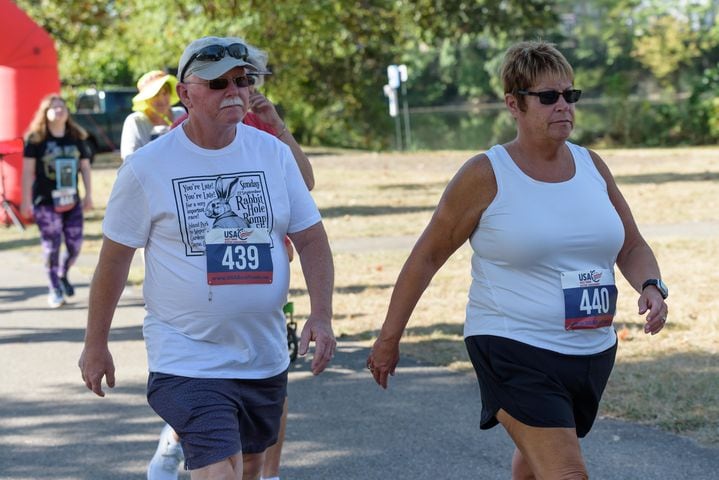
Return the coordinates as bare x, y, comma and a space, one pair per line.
166, 196
531, 235
138, 130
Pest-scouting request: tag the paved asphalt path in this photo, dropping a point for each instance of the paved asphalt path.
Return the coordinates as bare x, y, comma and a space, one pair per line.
341, 426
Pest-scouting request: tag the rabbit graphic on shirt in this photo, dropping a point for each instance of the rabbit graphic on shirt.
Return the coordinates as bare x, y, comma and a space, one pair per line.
219, 208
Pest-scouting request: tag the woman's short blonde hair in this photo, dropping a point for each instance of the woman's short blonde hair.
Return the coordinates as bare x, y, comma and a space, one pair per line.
527, 63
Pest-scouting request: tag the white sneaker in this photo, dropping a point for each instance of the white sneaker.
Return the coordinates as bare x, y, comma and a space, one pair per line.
55, 299
167, 458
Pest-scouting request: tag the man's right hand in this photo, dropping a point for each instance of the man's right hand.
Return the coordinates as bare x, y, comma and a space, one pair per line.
95, 364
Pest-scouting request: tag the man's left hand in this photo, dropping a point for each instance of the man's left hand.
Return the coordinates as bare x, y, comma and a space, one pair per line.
319, 331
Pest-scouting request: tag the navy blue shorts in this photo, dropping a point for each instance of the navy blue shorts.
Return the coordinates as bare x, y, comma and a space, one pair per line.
538, 387
216, 418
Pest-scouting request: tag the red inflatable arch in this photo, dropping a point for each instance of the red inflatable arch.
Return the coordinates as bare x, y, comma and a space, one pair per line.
28, 72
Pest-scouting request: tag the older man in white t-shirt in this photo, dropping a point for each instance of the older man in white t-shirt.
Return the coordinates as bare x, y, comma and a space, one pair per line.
211, 203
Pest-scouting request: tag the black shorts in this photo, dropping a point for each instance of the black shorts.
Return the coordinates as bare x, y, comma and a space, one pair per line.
217, 418
538, 387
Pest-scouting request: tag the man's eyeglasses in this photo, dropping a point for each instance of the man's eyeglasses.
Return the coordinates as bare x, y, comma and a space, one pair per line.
222, 83
550, 97
215, 53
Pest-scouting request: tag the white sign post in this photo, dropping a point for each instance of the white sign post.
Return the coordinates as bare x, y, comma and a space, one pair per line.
405, 105
396, 78
390, 90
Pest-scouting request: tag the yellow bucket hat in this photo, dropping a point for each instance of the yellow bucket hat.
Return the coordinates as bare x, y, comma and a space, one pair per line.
150, 85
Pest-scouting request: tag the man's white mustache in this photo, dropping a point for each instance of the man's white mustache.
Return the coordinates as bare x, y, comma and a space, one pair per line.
231, 102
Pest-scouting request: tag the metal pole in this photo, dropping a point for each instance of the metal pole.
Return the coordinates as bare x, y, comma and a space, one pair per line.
8, 206
405, 111
390, 91
398, 132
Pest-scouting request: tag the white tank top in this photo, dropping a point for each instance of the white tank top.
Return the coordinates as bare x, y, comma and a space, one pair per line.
529, 235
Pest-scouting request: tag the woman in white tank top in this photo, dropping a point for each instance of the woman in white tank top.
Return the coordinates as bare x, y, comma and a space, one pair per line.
547, 224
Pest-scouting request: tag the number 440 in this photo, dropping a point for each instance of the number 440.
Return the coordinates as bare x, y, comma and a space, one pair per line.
599, 301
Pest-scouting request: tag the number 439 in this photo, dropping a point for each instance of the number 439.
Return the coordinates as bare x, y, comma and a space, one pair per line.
241, 257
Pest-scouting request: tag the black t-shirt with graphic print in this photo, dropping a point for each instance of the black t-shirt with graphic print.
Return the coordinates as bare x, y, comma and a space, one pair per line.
57, 164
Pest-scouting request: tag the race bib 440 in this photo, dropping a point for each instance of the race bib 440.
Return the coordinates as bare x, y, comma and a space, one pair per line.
590, 298
238, 256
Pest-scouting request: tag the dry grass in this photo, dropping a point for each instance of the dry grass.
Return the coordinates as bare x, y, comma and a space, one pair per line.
670, 380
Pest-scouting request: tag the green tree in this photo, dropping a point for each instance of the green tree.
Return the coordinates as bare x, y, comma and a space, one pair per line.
457, 46
329, 57
82, 29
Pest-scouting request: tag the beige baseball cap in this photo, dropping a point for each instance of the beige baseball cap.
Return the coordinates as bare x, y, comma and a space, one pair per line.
210, 57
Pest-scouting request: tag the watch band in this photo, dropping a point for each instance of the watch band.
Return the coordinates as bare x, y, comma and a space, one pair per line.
663, 290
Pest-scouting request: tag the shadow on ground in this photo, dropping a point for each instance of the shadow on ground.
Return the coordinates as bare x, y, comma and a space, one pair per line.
372, 210
657, 178
76, 436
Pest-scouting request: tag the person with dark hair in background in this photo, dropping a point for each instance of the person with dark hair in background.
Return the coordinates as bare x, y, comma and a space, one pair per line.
55, 153
547, 224
215, 330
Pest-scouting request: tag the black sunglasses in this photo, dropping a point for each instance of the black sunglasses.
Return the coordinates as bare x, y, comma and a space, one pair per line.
550, 97
222, 83
215, 53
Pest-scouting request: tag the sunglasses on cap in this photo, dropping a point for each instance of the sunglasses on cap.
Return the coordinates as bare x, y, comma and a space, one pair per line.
222, 83
215, 53
550, 97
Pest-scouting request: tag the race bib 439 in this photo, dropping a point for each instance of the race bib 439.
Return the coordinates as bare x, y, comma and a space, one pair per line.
238, 256
590, 298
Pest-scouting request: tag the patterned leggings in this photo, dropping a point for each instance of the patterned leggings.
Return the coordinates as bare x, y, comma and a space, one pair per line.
53, 227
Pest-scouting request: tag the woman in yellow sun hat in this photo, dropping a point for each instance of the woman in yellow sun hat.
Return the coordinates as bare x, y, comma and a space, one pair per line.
153, 111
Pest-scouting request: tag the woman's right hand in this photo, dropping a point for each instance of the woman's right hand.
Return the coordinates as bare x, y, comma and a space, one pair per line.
382, 360
26, 210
